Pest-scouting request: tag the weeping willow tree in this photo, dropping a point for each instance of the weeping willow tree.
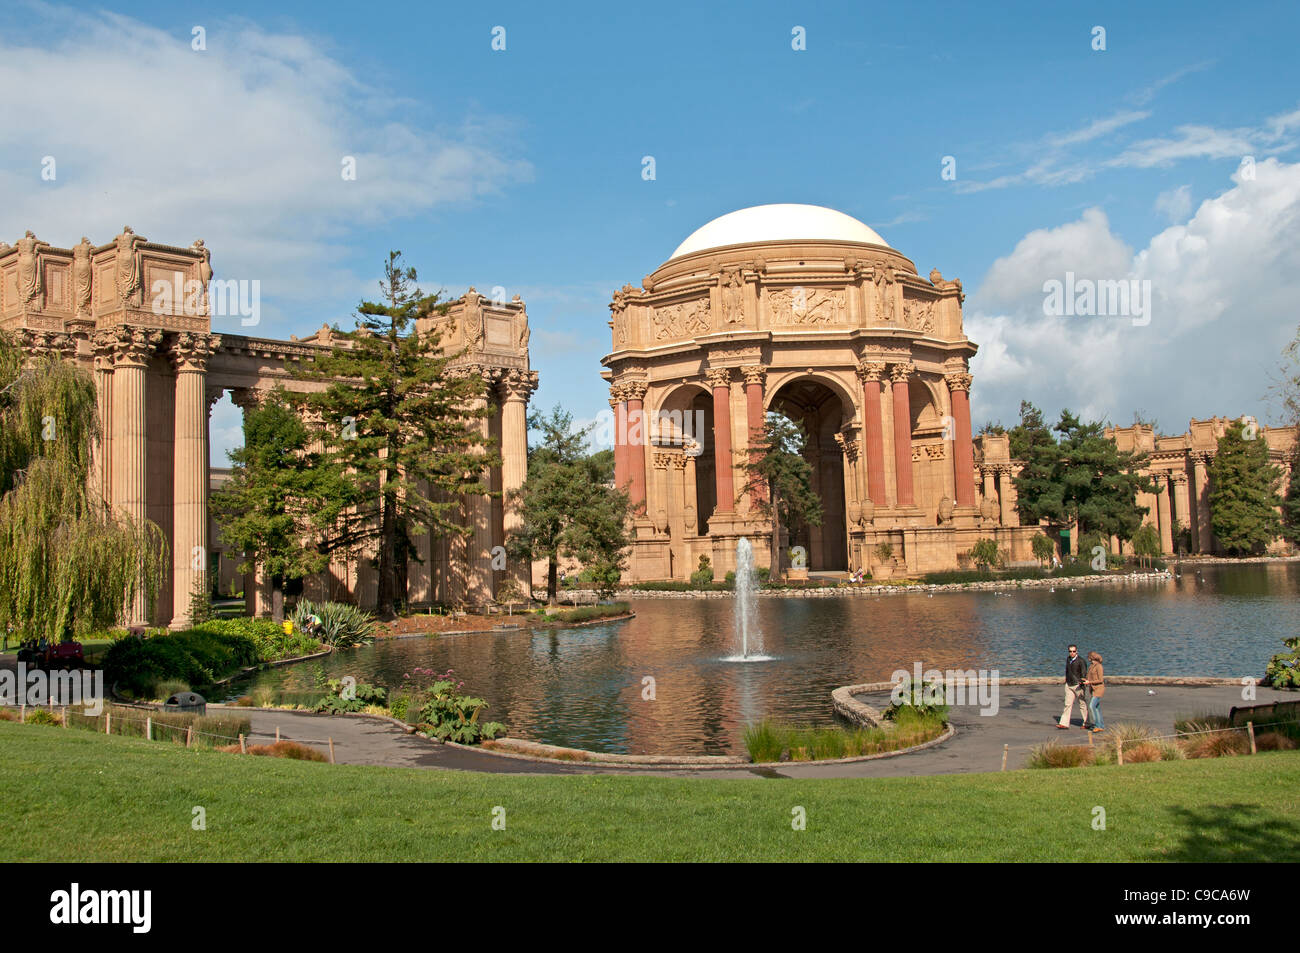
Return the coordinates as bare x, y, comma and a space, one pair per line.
68, 563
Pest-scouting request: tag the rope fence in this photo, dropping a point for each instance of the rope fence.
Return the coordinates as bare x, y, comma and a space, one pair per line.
1119, 742
109, 719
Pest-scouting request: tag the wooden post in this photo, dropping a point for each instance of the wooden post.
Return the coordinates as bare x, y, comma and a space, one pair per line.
243, 748
1119, 751
189, 734
108, 722
1250, 730
1005, 748
65, 716
1090, 734
277, 734
331, 750
148, 728
22, 714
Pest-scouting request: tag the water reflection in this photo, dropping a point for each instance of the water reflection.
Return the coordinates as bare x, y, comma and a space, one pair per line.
585, 686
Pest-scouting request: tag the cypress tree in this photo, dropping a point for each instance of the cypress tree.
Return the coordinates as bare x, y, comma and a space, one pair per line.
1243, 493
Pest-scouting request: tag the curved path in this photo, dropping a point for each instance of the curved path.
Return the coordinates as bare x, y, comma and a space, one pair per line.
1026, 717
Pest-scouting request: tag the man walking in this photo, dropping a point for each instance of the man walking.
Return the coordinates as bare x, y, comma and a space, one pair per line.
1074, 674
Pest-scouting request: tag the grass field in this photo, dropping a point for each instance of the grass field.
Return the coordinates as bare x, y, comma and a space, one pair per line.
74, 796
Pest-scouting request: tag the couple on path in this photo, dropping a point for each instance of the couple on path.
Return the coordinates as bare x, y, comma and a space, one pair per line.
1086, 686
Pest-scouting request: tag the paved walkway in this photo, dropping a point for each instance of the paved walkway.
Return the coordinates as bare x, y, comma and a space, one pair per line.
1026, 717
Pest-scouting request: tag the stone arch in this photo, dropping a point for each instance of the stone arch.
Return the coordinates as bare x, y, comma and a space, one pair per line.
926, 404
823, 409
682, 421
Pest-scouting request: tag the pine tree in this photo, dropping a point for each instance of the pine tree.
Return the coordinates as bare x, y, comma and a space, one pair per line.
778, 478
1083, 478
283, 502
405, 425
69, 564
1243, 494
568, 507
1032, 442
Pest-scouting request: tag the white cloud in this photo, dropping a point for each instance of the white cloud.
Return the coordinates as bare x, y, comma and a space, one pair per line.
241, 144
1224, 285
1175, 204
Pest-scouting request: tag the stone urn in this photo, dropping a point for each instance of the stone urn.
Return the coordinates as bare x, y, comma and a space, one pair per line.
661, 521
690, 519
855, 512
945, 510
868, 511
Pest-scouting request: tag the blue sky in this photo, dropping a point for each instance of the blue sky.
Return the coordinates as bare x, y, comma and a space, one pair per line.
522, 168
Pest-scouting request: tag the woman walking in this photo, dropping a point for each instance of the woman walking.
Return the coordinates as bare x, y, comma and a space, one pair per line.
1096, 683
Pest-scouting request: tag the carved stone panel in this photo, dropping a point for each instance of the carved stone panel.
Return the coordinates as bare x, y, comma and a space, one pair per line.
684, 319
807, 306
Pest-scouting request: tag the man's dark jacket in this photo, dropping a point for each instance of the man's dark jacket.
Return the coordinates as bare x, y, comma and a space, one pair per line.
1074, 670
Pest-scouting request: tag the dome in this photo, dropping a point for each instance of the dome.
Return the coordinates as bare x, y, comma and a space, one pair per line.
771, 223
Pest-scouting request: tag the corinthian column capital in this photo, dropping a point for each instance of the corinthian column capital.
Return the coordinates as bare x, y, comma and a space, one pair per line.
191, 351
132, 347
958, 382
635, 390
518, 385
899, 373
754, 374
871, 371
718, 377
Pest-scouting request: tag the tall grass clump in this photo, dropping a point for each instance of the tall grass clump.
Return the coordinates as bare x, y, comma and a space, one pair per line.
341, 625
770, 740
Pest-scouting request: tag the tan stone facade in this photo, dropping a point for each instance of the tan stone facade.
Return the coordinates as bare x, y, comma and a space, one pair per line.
158, 369
1180, 467
841, 335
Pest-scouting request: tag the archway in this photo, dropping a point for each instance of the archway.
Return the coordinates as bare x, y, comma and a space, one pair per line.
821, 412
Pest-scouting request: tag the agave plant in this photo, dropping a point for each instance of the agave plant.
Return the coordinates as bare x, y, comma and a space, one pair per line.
341, 625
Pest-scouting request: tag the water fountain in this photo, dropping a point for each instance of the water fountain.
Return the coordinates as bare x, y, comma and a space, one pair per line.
746, 635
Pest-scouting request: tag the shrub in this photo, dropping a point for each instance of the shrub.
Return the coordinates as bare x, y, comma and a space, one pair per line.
763, 573
198, 657
1218, 745
769, 740
1056, 755
453, 716
1283, 669
704, 573
1274, 741
39, 716
985, 553
362, 695
168, 687
342, 625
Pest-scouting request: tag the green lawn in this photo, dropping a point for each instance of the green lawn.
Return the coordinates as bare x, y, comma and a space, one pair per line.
72, 795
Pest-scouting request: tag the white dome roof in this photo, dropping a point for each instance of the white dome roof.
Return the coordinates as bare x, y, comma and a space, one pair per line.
768, 223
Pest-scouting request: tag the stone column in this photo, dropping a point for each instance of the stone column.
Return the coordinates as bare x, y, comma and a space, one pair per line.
963, 457
899, 374
1181, 505
101, 473
190, 352
480, 579
1204, 535
1007, 496
871, 373
133, 348
636, 444
618, 404
719, 379
754, 374
991, 492
1162, 513
516, 389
